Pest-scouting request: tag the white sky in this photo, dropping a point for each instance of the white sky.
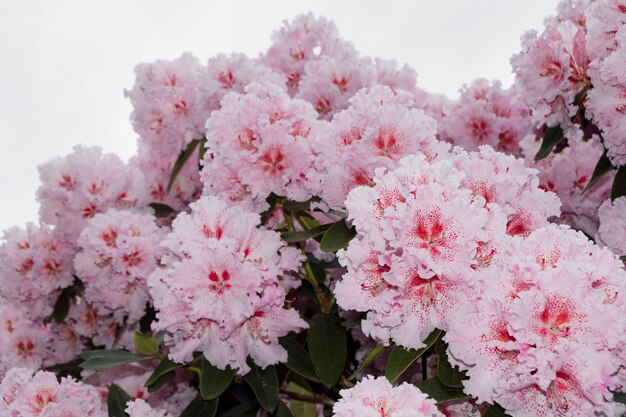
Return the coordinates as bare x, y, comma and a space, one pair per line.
64, 64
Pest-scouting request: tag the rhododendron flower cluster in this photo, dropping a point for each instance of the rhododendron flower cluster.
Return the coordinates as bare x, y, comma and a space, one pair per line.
118, 251
426, 231
307, 232
376, 396
84, 183
220, 291
485, 114
257, 144
41, 394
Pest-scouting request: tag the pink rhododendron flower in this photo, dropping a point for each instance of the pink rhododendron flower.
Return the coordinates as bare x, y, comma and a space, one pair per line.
168, 110
551, 70
118, 251
140, 408
219, 292
305, 39
374, 397
35, 265
485, 114
606, 101
257, 144
567, 171
42, 395
377, 130
425, 233
547, 332
612, 230
78, 186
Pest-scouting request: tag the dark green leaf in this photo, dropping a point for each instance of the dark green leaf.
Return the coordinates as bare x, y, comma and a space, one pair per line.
214, 381
293, 206
619, 397
162, 210
439, 392
62, 305
116, 401
328, 348
264, 383
447, 374
551, 138
306, 221
241, 410
159, 377
619, 184
298, 359
304, 235
97, 360
494, 411
282, 410
146, 344
400, 358
602, 168
298, 385
337, 237
182, 159
200, 408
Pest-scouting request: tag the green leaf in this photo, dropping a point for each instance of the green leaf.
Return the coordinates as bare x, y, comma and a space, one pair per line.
62, 305
551, 138
439, 392
200, 408
182, 159
494, 410
337, 237
298, 359
146, 344
619, 397
304, 235
264, 383
299, 385
619, 184
214, 381
116, 401
447, 374
97, 360
162, 210
328, 347
371, 356
282, 410
400, 358
603, 167
164, 370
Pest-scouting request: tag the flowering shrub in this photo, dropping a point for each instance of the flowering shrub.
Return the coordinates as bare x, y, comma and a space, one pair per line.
310, 234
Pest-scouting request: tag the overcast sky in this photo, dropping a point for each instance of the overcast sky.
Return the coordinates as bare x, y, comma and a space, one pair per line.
64, 64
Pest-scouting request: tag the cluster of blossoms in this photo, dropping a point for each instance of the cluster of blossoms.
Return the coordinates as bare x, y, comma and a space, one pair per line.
443, 245
377, 397
427, 231
257, 144
485, 114
377, 130
220, 292
42, 395
118, 251
220, 241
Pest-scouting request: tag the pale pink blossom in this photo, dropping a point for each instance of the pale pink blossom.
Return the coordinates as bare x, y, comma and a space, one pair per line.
219, 292
35, 264
374, 397
612, 230
257, 144
76, 187
118, 251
